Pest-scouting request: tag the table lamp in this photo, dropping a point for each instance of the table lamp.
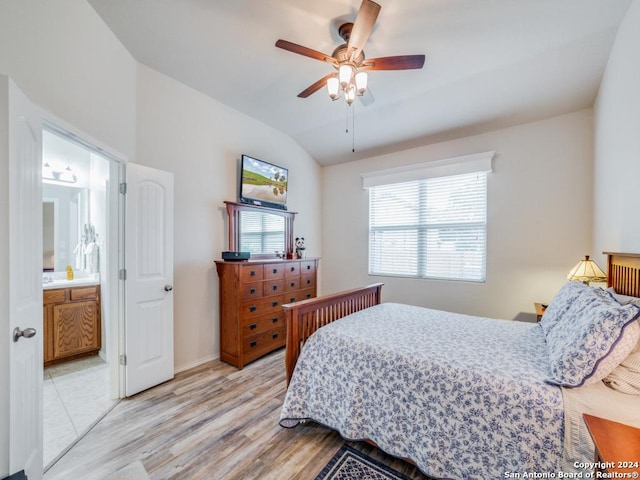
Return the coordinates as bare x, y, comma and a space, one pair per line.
587, 271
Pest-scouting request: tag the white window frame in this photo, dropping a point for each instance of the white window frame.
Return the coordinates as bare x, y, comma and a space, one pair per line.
420, 174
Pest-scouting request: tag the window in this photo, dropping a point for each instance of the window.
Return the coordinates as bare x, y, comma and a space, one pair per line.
262, 233
430, 228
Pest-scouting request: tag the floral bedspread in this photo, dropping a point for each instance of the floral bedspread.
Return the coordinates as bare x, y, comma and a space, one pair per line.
463, 397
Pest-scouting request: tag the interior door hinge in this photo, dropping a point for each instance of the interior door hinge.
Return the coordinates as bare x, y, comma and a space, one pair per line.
123, 188
123, 360
123, 274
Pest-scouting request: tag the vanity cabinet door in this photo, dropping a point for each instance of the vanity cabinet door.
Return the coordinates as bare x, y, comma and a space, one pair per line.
75, 329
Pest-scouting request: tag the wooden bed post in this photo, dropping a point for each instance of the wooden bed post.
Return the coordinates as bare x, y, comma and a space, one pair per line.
305, 317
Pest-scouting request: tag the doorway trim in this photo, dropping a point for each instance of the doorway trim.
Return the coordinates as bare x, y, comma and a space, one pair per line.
114, 301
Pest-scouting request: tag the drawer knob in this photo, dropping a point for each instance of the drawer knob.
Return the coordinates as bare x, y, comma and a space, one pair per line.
253, 326
252, 291
308, 295
293, 299
253, 308
293, 269
275, 270
274, 336
293, 284
253, 273
253, 343
275, 287
309, 281
308, 267
274, 320
274, 304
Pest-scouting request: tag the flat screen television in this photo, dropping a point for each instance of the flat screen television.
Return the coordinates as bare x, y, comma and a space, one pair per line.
262, 183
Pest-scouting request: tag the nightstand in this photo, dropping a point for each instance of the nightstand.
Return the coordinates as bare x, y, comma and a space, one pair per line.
617, 445
540, 308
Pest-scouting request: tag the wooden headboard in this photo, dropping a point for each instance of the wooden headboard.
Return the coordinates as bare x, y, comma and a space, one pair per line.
623, 273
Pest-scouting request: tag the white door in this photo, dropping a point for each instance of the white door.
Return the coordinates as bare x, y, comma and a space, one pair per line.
25, 285
149, 278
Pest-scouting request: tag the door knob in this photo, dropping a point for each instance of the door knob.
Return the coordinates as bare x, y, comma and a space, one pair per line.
168, 288
26, 333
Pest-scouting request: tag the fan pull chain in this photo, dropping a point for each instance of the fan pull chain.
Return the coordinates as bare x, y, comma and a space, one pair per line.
346, 120
353, 130
353, 126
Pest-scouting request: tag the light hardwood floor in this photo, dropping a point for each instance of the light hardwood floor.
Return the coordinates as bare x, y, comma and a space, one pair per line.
212, 422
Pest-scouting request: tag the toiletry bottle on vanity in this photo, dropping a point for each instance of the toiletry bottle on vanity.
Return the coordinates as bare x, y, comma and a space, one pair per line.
69, 272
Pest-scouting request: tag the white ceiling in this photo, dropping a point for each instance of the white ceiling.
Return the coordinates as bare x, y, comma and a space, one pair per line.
489, 63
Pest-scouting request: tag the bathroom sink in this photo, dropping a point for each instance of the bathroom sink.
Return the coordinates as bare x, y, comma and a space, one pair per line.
57, 281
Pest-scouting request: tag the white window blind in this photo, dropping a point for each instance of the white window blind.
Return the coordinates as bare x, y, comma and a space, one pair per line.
430, 228
262, 233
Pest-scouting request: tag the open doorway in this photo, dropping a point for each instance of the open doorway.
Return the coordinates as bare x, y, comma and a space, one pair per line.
80, 311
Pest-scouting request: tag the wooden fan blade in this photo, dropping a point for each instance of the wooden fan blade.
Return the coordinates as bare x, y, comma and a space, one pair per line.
362, 27
307, 52
315, 87
401, 62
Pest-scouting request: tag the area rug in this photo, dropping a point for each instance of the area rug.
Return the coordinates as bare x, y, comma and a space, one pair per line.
351, 464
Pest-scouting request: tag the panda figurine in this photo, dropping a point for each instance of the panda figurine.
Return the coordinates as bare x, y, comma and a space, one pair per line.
300, 248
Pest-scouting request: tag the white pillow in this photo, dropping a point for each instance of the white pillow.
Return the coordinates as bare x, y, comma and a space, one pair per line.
623, 299
625, 377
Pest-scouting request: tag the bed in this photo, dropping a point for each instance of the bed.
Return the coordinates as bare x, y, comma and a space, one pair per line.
460, 396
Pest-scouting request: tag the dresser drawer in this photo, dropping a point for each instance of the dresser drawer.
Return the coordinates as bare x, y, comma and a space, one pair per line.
252, 290
254, 326
273, 287
299, 295
261, 306
259, 344
308, 267
274, 271
291, 284
292, 269
308, 281
252, 273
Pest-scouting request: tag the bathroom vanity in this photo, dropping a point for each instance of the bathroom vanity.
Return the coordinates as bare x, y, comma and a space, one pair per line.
72, 326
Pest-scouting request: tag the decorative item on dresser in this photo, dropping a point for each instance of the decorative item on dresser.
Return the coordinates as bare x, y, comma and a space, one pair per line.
251, 297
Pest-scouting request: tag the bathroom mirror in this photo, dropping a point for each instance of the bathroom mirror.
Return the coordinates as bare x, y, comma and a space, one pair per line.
264, 232
65, 211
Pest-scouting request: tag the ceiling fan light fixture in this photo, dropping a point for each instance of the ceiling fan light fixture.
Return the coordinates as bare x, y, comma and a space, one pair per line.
345, 73
350, 94
333, 88
361, 82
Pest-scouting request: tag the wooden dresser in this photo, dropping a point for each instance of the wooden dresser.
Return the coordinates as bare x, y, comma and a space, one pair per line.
251, 297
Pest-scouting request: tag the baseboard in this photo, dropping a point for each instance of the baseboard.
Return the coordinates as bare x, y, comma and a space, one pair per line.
197, 363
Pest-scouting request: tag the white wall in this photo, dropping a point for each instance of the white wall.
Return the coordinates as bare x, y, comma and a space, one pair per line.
617, 143
200, 140
539, 218
65, 59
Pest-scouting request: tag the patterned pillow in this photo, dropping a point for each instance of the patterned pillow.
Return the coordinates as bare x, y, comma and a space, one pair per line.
560, 304
590, 331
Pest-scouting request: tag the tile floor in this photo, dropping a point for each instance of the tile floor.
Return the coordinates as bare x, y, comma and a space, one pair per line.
75, 397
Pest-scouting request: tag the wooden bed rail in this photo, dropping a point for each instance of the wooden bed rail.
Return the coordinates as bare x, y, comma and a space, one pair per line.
305, 317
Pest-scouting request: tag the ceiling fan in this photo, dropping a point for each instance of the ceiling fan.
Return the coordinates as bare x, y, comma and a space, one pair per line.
349, 59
